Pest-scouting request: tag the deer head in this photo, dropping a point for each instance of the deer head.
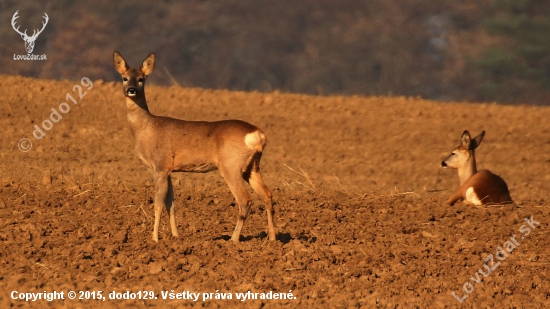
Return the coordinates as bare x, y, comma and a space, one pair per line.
29, 40
463, 156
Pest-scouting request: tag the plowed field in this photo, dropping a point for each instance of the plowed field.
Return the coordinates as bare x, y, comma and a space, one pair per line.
359, 196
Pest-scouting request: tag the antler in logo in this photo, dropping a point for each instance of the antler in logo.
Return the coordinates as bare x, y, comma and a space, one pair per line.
29, 40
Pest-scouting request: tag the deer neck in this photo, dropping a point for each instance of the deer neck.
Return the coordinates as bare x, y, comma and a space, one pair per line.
138, 112
468, 169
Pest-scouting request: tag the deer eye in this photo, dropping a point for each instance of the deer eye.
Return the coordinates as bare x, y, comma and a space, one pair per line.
125, 79
140, 79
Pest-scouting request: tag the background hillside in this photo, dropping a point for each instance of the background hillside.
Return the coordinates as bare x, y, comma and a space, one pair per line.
447, 50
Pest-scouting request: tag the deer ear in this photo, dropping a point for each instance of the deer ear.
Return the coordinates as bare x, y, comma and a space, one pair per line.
477, 140
120, 64
466, 139
148, 64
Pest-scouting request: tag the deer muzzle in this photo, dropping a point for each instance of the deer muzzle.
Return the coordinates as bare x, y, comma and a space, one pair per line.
132, 92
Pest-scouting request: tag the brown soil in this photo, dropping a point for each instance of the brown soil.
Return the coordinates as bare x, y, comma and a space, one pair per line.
368, 227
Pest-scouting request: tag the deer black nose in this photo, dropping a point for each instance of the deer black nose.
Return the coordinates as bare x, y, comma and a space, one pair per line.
443, 164
131, 91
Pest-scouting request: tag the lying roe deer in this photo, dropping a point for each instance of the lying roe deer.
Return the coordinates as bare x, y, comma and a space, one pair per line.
169, 145
478, 188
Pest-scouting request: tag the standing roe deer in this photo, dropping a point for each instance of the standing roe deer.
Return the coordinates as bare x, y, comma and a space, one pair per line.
169, 145
478, 188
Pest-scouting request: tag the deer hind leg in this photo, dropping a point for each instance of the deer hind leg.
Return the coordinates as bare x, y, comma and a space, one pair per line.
170, 207
234, 180
256, 182
161, 192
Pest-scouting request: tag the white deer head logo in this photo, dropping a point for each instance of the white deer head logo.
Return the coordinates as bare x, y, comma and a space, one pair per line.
29, 40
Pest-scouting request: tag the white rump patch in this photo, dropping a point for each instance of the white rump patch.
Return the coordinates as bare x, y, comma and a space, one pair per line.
252, 140
471, 196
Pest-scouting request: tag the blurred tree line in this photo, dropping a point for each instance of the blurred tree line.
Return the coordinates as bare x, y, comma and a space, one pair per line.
445, 50
520, 63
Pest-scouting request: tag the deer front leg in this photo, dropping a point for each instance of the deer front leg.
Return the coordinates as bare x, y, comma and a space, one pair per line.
456, 197
161, 192
170, 207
